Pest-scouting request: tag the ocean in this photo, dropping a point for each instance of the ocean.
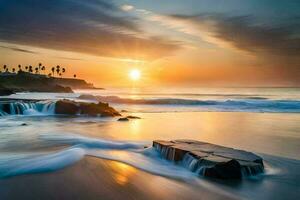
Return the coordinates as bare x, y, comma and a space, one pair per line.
262, 120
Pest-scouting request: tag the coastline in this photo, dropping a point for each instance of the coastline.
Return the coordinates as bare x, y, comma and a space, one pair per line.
11, 83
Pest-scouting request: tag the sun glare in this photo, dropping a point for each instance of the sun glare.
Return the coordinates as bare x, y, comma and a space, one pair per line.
135, 74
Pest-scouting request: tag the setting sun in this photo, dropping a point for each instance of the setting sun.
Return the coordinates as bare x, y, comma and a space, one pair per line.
135, 74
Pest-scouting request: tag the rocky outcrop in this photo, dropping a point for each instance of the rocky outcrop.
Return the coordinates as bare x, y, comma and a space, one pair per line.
5, 91
72, 108
125, 119
133, 117
27, 82
210, 160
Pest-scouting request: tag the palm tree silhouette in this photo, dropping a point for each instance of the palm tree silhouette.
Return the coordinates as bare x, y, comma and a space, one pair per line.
43, 68
20, 68
5, 67
63, 70
13, 70
26, 67
53, 69
57, 69
74, 76
40, 66
30, 69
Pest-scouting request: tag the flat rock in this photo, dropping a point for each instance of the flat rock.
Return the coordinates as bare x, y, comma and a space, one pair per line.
132, 117
123, 119
210, 160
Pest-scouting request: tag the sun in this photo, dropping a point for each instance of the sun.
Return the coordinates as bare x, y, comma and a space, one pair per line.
135, 74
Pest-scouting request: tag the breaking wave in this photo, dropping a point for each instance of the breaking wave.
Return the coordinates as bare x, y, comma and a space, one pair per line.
253, 104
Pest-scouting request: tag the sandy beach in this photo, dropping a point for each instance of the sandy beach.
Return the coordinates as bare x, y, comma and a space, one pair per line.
94, 178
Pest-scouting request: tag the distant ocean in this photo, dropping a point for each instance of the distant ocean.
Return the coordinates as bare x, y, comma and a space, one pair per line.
263, 120
203, 99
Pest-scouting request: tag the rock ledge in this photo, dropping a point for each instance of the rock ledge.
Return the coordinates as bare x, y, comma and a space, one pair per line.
72, 108
210, 160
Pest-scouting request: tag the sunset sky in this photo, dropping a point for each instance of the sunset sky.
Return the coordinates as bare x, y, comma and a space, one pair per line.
171, 42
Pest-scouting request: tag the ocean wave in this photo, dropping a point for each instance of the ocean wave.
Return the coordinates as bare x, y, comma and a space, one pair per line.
18, 164
131, 153
86, 142
256, 104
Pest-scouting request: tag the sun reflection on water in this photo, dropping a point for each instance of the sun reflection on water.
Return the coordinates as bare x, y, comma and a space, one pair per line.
122, 172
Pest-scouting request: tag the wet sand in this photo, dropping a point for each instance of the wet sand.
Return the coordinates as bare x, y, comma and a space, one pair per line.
93, 178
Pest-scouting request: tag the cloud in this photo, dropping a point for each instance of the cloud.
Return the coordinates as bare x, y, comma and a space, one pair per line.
94, 27
18, 49
127, 7
238, 32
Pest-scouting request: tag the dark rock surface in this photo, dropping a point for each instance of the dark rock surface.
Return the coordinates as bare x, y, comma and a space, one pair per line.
71, 108
5, 91
123, 119
27, 82
211, 160
133, 117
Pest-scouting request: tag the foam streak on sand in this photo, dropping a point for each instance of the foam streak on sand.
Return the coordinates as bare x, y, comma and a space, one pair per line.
134, 154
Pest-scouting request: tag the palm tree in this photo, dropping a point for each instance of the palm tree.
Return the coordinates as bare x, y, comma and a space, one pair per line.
63, 70
26, 67
36, 70
30, 69
49, 75
4, 67
13, 70
20, 68
74, 75
43, 68
57, 69
40, 66
53, 69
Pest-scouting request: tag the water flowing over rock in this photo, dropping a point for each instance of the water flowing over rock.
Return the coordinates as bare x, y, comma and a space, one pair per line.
26, 107
72, 108
51, 107
210, 160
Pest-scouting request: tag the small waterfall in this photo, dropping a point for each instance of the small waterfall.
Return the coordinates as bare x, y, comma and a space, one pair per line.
12, 109
190, 162
27, 108
252, 171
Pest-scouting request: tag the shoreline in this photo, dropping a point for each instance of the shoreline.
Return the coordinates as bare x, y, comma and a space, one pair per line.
94, 178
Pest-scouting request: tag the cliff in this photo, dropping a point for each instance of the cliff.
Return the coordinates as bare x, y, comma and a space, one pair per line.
29, 82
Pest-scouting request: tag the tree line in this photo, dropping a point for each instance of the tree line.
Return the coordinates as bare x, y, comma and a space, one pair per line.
57, 71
